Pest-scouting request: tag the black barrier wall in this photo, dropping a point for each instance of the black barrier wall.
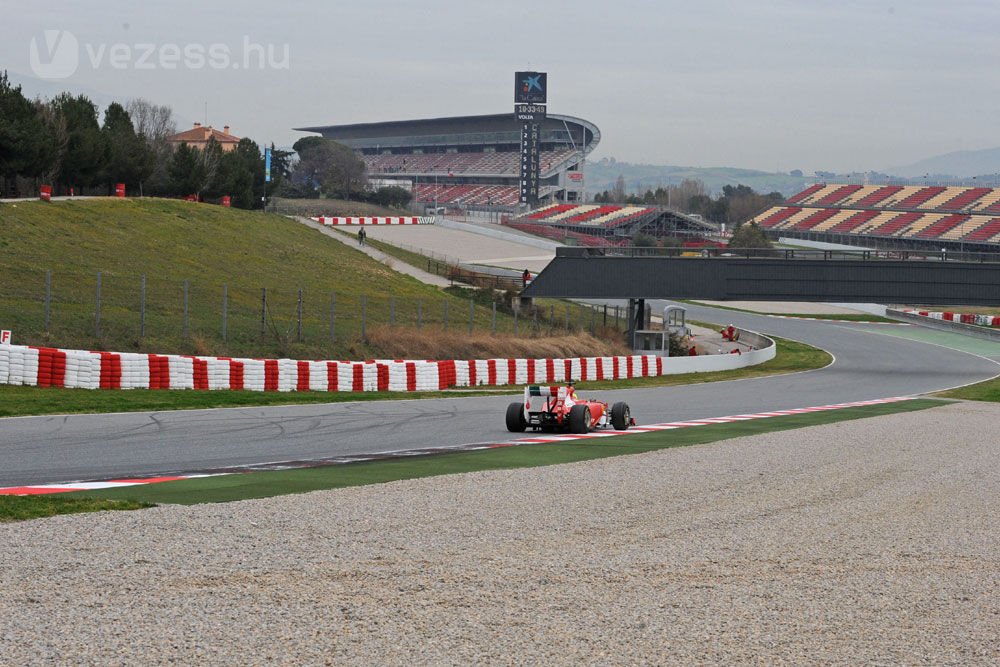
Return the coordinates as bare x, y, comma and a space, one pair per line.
579, 274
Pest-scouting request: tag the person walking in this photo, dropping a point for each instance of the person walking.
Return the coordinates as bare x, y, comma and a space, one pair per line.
361, 236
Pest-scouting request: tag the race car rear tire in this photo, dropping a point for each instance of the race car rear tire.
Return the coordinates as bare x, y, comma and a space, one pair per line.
621, 416
515, 418
579, 419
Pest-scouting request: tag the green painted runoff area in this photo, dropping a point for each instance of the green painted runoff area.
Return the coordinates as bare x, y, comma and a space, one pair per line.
954, 341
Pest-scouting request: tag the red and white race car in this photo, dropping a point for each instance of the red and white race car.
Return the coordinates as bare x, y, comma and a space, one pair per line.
552, 409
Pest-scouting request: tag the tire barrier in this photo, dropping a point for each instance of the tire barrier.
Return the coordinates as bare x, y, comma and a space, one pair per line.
330, 221
962, 318
50, 367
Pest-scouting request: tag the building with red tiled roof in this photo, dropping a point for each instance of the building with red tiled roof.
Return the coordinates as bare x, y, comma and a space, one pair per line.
198, 136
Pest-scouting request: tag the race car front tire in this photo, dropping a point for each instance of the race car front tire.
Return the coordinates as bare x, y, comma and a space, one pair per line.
621, 417
579, 419
515, 418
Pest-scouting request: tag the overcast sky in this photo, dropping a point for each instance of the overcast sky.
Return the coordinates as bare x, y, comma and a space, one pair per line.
772, 85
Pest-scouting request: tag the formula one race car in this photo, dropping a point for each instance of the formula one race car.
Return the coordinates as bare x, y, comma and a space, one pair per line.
555, 409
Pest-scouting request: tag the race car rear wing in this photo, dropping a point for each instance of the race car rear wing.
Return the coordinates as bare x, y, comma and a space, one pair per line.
541, 390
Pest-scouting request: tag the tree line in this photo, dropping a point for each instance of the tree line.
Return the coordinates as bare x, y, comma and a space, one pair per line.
736, 203
327, 168
62, 142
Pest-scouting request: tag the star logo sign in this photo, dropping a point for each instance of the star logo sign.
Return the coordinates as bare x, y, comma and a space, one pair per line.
532, 82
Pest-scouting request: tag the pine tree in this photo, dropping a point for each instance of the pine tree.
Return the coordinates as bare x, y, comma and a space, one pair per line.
86, 148
28, 147
126, 152
186, 171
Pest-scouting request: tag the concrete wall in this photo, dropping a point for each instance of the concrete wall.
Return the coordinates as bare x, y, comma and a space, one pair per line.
764, 350
945, 325
755, 340
587, 273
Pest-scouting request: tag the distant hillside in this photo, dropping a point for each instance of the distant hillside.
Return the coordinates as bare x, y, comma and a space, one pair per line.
601, 175
960, 164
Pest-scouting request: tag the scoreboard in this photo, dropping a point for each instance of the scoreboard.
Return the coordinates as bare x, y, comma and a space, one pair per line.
530, 97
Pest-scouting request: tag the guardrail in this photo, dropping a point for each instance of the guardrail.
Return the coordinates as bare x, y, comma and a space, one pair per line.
462, 274
974, 330
780, 253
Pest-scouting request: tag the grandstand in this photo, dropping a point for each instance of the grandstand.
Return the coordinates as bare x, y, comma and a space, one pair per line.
890, 216
609, 225
470, 161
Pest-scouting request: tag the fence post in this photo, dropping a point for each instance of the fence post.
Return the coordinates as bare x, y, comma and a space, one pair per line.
333, 316
605, 314
364, 315
493, 321
97, 310
263, 310
472, 305
48, 297
298, 335
185, 333
225, 313
142, 307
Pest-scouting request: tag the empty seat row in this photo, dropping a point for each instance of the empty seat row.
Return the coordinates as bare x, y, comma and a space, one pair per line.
902, 197
505, 162
589, 215
873, 222
562, 234
469, 195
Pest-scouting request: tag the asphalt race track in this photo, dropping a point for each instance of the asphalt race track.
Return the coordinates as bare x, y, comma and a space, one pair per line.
868, 365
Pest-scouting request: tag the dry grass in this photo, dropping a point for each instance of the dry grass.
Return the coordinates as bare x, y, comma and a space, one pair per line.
436, 343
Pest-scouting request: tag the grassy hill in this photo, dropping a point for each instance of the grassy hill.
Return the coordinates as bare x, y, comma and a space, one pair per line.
214, 253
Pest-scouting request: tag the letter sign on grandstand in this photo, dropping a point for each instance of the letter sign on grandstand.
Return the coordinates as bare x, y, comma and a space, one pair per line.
5, 337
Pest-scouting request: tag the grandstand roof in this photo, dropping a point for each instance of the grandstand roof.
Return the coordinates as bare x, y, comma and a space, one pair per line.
458, 130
